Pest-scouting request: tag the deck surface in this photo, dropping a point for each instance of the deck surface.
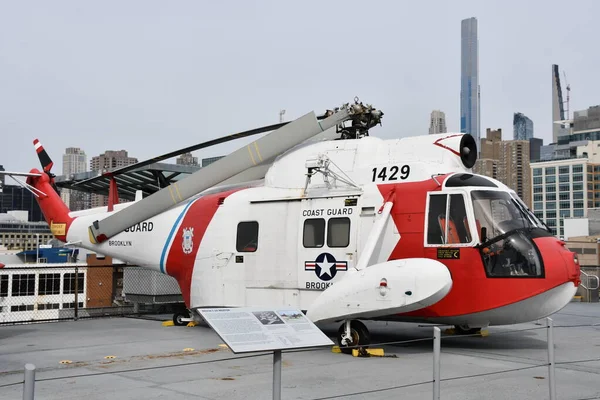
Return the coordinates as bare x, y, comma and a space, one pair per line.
152, 361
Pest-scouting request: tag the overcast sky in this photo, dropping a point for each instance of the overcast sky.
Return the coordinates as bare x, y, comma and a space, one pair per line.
154, 76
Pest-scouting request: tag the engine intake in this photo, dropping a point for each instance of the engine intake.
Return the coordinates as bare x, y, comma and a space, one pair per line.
468, 150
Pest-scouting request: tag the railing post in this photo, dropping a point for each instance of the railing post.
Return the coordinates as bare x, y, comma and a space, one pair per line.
551, 376
437, 341
29, 382
76, 313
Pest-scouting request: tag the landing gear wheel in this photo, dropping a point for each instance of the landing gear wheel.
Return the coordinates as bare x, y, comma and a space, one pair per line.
178, 316
466, 330
360, 337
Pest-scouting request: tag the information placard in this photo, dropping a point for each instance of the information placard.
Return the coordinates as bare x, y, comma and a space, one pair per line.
247, 330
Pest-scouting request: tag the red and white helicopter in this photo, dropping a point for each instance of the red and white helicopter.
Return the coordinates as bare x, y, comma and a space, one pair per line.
320, 216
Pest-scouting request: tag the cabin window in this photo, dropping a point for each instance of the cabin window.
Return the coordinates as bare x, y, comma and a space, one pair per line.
314, 232
247, 237
447, 222
338, 232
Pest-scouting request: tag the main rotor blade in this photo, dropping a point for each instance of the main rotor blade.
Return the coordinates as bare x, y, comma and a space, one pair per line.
262, 149
175, 153
259, 171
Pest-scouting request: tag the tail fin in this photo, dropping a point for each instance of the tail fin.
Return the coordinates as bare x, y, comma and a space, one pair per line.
45, 160
54, 209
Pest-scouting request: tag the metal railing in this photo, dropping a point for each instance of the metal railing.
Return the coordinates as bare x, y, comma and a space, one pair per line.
28, 383
588, 279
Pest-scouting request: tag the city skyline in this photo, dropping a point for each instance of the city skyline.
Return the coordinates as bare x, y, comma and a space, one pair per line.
176, 97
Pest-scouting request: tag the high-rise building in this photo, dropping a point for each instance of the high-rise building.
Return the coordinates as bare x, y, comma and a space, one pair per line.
74, 162
535, 148
469, 80
522, 127
577, 133
437, 122
107, 161
514, 168
507, 161
558, 111
1, 178
560, 189
566, 181
488, 162
490, 145
587, 122
186, 159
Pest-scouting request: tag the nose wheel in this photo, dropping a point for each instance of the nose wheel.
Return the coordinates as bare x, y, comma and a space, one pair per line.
353, 333
466, 330
181, 318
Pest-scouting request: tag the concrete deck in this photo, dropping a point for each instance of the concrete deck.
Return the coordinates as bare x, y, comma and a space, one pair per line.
152, 361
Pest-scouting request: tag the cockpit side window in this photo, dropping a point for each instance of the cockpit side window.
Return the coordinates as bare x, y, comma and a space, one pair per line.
458, 216
447, 221
437, 210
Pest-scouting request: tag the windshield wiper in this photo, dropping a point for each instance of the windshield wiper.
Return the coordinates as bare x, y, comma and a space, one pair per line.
504, 236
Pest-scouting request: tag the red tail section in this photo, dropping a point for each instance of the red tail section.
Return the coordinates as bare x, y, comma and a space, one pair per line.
43, 156
54, 209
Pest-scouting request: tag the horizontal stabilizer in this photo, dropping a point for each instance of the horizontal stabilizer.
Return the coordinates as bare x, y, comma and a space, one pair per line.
388, 288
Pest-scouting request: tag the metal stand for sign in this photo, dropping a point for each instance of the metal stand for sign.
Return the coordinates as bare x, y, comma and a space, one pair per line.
275, 326
277, 375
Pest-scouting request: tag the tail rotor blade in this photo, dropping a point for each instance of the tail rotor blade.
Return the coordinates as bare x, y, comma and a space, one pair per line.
45, 159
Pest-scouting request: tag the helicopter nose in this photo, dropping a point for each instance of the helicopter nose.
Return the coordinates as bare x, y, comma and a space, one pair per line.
560, 264
571, 263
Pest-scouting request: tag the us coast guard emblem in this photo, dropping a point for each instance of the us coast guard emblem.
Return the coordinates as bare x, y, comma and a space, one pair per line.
187, 244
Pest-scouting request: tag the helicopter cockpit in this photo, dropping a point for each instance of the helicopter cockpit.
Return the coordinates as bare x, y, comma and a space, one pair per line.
507, 229
477, 211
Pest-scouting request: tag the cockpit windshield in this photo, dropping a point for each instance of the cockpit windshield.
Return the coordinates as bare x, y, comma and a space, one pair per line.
498, 212
507, 229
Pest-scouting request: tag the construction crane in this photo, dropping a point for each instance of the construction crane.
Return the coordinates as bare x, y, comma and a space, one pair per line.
568, 96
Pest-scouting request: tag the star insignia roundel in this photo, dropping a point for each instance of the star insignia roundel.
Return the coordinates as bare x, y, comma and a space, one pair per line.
326, 266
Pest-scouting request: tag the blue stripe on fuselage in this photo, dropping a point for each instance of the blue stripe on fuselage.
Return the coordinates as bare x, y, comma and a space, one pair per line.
173, 228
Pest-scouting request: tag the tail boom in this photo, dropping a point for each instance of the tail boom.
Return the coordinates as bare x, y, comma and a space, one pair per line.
54, 209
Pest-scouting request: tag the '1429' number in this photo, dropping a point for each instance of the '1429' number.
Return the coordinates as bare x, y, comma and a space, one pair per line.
382, 173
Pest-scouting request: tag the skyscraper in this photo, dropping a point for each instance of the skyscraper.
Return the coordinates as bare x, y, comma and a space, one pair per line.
558, 110
186, 159
437, 122
469, 80
109, 160
522, 127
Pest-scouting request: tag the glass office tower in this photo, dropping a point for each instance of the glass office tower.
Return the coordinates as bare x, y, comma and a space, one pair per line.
469, 82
